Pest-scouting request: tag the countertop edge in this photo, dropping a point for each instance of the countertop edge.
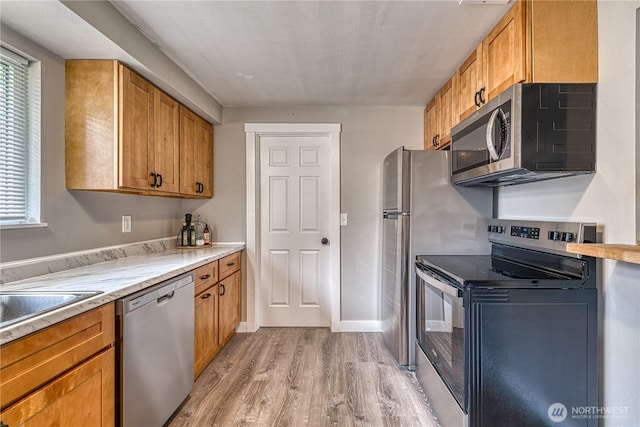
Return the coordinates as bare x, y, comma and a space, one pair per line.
37, 323
615, 251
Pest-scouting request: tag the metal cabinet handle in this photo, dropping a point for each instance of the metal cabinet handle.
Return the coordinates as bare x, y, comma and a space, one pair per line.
222, 289
160, 183
231, 264
481, 93
205, 277
324, 241
206, 296
476, 101
155, 179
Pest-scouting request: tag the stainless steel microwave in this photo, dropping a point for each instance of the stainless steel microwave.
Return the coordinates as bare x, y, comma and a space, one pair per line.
530, 132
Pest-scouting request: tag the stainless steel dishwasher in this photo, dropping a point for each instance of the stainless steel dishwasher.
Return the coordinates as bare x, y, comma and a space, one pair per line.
155, 352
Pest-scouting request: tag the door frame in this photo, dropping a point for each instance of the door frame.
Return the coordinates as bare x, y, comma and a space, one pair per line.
253, 133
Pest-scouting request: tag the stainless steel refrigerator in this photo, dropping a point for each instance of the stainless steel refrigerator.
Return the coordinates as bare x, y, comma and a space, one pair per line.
423, 214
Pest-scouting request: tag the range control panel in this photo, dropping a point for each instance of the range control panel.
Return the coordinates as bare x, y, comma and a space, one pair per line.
540, 235
525, 232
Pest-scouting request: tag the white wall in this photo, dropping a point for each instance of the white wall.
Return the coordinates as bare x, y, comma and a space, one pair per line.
368, 135
606, 198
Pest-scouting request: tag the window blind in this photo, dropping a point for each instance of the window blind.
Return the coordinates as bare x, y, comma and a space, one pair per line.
14, 125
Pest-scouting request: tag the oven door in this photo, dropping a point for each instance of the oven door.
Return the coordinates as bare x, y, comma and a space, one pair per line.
441, 330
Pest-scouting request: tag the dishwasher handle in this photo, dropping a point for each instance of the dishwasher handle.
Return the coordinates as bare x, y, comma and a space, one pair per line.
166, 297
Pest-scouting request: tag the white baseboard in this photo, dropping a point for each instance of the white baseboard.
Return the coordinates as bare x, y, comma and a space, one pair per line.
345, 326
360, 326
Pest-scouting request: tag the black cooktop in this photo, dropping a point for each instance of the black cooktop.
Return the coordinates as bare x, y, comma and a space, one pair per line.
490, 271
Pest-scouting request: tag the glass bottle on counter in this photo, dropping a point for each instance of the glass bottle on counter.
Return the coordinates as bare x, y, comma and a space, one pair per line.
199, 232
192, 235
207, 234
184, 235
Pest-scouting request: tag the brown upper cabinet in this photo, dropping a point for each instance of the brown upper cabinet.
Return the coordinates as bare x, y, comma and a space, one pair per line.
149, 139
469, 77
196, 149
536, 41
440, 114
123, 134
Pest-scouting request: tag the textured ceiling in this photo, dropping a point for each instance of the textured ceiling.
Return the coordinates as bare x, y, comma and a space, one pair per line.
279, 53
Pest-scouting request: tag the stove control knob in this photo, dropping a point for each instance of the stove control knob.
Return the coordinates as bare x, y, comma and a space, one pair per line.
554, 235
568, 237
500, 229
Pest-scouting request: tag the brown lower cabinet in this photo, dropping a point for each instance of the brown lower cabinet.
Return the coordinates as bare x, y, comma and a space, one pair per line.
83, 396
229, 306
62, 375
205, 340
216, 308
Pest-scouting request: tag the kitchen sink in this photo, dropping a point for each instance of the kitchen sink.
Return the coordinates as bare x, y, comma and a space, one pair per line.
18, 306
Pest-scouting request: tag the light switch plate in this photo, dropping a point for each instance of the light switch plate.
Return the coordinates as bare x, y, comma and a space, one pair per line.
126, 223
343, 219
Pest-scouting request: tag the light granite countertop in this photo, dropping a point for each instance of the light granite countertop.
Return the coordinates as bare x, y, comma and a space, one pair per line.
114, 278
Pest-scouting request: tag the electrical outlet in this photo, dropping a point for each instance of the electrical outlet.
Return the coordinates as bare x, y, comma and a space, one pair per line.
126, 223
343, 219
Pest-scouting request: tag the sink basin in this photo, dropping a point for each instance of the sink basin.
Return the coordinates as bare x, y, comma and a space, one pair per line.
18, 306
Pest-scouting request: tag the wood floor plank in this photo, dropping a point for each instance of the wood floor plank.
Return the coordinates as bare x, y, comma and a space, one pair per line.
305, 377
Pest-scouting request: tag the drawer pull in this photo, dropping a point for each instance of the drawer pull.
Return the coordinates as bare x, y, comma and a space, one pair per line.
206, 296
231, 264
205, 277
223, 290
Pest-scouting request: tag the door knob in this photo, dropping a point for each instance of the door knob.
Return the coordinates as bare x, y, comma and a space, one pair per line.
324, 241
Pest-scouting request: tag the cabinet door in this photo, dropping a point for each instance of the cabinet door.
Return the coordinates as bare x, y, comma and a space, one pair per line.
229, 305
469, 83
206, 328
503, 53
431, 124
136, 130
28, 363
166, 142
448, 112
196, 149
204, 157
84, 396
187, 151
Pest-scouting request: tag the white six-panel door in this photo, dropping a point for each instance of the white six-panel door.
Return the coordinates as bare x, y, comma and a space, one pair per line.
294, 215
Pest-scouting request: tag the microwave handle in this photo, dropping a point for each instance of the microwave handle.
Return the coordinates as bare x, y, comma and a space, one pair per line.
495, 156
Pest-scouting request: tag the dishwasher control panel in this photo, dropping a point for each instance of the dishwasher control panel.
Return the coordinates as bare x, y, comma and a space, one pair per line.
161, 291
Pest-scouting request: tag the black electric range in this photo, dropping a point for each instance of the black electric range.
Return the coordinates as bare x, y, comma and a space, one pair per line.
509, 335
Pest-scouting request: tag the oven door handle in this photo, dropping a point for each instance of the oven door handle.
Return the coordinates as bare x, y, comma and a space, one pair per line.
433, 282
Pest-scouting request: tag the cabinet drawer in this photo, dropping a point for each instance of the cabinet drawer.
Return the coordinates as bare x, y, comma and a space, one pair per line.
205, 276
34, 360
229, 264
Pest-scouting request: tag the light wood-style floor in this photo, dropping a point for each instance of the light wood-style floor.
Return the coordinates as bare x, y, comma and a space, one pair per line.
305, 377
